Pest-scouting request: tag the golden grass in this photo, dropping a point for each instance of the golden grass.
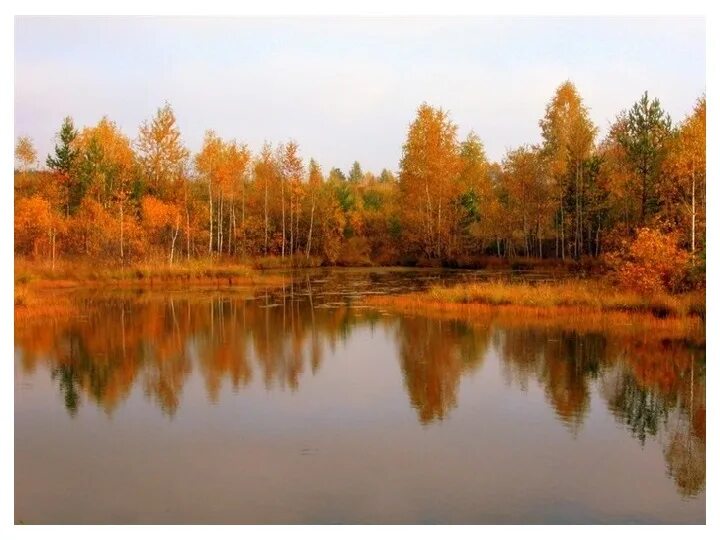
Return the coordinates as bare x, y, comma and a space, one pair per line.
87, 273
574, 305
40, 290
590, 294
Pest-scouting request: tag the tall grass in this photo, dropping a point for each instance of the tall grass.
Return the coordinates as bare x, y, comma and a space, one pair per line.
591, 294
587, 295
635, 325
67, 273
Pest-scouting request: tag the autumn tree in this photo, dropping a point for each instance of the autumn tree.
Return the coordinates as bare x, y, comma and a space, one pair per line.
162, 223
32, 223
38, 225
356, 172
238, 158
568, 138
682, 193
315, 181
210, 164
266, 177
429, 168
161, 152
105, 171
25, 153
387, 176
291, 173
525, 181
332, 224
476, 190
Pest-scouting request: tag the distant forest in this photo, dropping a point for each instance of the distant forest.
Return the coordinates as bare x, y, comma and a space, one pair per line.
116, 199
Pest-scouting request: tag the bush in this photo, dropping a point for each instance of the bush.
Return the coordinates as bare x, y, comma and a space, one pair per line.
650, 263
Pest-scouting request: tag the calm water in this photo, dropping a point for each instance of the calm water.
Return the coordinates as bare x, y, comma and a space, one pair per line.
305, 405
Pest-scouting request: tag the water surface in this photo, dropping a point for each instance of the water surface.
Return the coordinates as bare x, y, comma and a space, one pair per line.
303, 404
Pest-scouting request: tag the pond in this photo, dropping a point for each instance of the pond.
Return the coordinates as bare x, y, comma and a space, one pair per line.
305, 404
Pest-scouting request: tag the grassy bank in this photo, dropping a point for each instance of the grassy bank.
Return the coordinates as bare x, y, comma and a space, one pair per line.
574, 306
27, 271
41, 291
575, 294
31, 275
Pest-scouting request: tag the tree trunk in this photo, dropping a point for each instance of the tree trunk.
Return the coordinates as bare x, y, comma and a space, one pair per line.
175, 235
692, 234
439, 241
539, 233
242, 222
312, 216
122, 235
428, 221
231, 230
282, 198
220, 226
53, 234
578, 198
643, 199
292, 228
211, 219
232, 240
187, 228
297, 224
266, 217
562, 230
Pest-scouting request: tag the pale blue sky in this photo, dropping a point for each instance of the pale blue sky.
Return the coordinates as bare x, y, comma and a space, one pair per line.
346, 89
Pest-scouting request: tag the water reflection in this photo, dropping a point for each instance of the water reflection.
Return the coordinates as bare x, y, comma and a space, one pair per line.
563, 362
434, 354
655, 389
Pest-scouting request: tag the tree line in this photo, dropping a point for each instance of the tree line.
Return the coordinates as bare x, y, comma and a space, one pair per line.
570, 197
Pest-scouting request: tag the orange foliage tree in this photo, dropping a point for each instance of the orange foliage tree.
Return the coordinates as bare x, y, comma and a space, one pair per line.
429, 169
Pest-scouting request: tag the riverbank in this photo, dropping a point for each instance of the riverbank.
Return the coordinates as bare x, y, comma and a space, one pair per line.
86, 272
39, 290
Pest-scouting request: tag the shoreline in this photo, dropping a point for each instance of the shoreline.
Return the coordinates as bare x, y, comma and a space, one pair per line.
564, 300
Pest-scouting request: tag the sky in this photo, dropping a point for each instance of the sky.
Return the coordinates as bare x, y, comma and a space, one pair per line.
346, 89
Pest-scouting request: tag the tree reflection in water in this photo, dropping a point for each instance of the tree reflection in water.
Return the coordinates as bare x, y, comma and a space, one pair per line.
434, 354
563, 362
654, 388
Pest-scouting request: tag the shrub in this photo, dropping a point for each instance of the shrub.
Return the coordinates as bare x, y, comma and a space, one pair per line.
650, 263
